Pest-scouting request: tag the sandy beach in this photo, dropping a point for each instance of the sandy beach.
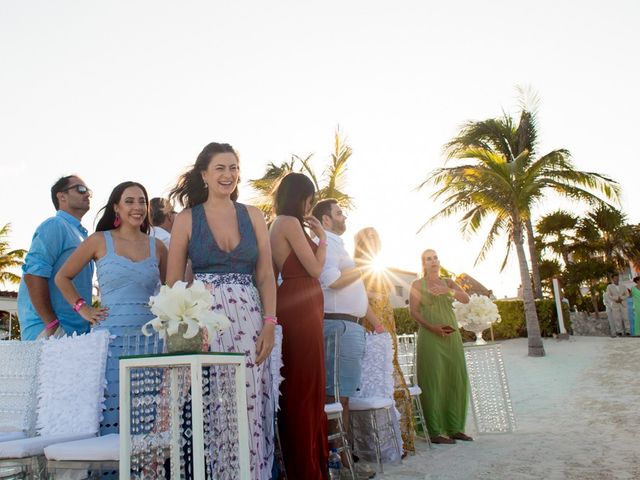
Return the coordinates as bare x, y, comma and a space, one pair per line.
577, 414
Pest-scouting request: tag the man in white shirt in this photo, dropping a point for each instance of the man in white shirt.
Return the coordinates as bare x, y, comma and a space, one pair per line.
345, 306
615, 301
161, 219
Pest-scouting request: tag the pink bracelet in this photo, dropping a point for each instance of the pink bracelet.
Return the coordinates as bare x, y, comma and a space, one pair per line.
79, 304
272, 319
379, 328
52, 324
323, 243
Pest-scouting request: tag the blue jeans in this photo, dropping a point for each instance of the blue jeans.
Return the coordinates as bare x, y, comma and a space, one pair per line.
351, 338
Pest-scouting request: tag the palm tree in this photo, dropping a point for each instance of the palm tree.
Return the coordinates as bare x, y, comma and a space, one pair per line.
9, 258
330, 184
605, 232
509, 140
556, 233
265, 185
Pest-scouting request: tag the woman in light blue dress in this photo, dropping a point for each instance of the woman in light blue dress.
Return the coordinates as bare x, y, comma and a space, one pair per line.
130, 265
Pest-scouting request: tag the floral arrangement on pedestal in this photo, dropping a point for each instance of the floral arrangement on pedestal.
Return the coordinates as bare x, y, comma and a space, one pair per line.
477, 315
182, 313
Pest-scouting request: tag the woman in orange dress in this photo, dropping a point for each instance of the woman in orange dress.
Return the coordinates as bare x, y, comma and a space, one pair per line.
302, 422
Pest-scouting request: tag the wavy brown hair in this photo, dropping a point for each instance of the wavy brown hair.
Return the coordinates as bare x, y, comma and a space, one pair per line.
190, 190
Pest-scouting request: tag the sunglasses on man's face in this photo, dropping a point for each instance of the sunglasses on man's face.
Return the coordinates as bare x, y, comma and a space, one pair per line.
81, 189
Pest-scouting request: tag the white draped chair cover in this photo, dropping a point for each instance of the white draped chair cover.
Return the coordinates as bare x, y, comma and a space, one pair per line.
275, 366
18, 382
377, 382
70, 393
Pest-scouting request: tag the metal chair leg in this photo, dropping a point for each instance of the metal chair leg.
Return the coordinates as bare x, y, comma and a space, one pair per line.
376, 438
392, 432
278, 454
420, 420
346, 448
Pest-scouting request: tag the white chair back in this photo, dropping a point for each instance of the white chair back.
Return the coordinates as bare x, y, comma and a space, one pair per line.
377, 368
407, 357
71, 383
275, 365
332, 366
18, 374
134, 342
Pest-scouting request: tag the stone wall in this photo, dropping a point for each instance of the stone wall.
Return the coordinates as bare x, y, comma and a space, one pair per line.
588, 325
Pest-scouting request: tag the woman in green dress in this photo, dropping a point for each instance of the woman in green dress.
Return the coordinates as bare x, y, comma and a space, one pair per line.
635, 320
441, 368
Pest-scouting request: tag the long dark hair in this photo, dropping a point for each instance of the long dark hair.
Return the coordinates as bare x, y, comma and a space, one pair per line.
289, 197
109, 214
190, 189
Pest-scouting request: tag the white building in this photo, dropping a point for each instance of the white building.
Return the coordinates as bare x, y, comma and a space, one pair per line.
401, 281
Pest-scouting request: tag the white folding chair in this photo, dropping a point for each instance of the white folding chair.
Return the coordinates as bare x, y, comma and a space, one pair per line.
70, 392
407, 359
374, 401
334, 409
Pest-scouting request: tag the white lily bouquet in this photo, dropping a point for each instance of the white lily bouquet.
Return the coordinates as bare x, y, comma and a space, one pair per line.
184, 309
477, 315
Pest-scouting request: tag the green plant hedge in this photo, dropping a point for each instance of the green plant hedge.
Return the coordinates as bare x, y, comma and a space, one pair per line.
512, 324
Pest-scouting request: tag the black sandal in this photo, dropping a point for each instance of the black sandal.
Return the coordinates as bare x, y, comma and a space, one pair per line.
440, 439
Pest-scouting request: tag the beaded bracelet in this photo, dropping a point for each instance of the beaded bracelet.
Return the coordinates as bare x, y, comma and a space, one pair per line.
323, 243
272, 319
79, 304
52, 324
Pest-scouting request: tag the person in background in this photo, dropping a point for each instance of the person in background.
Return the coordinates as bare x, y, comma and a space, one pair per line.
441, 367
161, 216
302, 422
130, 264
614, 301
377, 284
227, 243
42, 310
635, 296
345, 308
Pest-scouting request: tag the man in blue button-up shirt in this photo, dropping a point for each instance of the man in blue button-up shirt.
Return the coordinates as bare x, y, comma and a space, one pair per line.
42, 310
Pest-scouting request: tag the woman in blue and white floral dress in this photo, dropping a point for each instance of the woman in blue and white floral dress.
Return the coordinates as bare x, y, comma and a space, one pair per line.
227, 245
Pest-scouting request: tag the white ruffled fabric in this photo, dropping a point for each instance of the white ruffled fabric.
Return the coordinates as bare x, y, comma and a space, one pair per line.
276, 367
18, 381
377, 367
71, 383
377, 382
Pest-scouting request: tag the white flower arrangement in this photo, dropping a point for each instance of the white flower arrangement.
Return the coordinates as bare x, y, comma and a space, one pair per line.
180, 304
478, 314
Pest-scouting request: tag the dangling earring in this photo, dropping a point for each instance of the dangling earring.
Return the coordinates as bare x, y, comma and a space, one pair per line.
117, 221
206, 185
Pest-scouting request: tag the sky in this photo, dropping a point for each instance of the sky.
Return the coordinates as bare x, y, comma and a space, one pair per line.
132, 90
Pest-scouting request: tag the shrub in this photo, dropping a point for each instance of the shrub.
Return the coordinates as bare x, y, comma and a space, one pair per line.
15, 325
404, 323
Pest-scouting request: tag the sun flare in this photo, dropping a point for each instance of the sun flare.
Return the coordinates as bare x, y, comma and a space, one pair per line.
377, 264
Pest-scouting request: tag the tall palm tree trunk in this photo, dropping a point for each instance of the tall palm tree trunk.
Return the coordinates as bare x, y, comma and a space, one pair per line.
535, 265
536, 348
